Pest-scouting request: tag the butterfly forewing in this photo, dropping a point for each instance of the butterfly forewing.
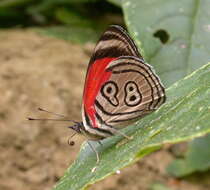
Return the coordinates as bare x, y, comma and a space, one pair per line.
115, 42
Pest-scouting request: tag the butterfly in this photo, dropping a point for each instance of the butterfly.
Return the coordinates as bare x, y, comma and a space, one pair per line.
119, 87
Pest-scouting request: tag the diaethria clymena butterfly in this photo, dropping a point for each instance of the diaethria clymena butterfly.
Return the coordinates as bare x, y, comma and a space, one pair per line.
119, 88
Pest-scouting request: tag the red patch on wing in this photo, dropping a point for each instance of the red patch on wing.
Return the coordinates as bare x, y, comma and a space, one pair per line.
96, 77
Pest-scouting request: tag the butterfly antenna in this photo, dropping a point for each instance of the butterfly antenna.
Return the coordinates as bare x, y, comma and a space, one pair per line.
49, 119
56, 114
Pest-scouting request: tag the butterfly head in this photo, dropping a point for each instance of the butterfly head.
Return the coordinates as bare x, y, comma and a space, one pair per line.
78, 127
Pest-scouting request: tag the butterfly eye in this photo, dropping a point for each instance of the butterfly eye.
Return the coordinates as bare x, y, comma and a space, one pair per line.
132, 94
109, 91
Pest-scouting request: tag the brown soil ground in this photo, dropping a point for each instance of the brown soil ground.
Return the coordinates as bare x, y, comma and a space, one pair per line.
38, 71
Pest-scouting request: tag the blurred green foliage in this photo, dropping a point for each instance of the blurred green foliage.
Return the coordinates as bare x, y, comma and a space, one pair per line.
116, 2
196, 158
159, 186
48, 12
76, 20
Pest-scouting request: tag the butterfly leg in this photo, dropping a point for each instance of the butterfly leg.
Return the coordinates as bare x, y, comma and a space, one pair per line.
122, 134
94, 150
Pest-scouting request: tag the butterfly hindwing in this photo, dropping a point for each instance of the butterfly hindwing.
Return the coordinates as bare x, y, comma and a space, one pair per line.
132, 91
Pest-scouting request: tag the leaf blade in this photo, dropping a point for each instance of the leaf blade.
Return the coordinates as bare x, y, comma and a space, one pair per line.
185, 22
174, 122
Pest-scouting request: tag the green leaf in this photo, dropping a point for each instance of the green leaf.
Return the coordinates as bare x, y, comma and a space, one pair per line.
79, 23
197, 158
184, 116
186, 25
71, 17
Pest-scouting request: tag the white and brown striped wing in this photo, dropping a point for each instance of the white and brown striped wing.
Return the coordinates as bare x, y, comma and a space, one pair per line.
114, 42
120, 86
132, 91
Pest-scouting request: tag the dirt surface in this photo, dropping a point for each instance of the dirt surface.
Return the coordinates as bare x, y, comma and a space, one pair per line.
38, 71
